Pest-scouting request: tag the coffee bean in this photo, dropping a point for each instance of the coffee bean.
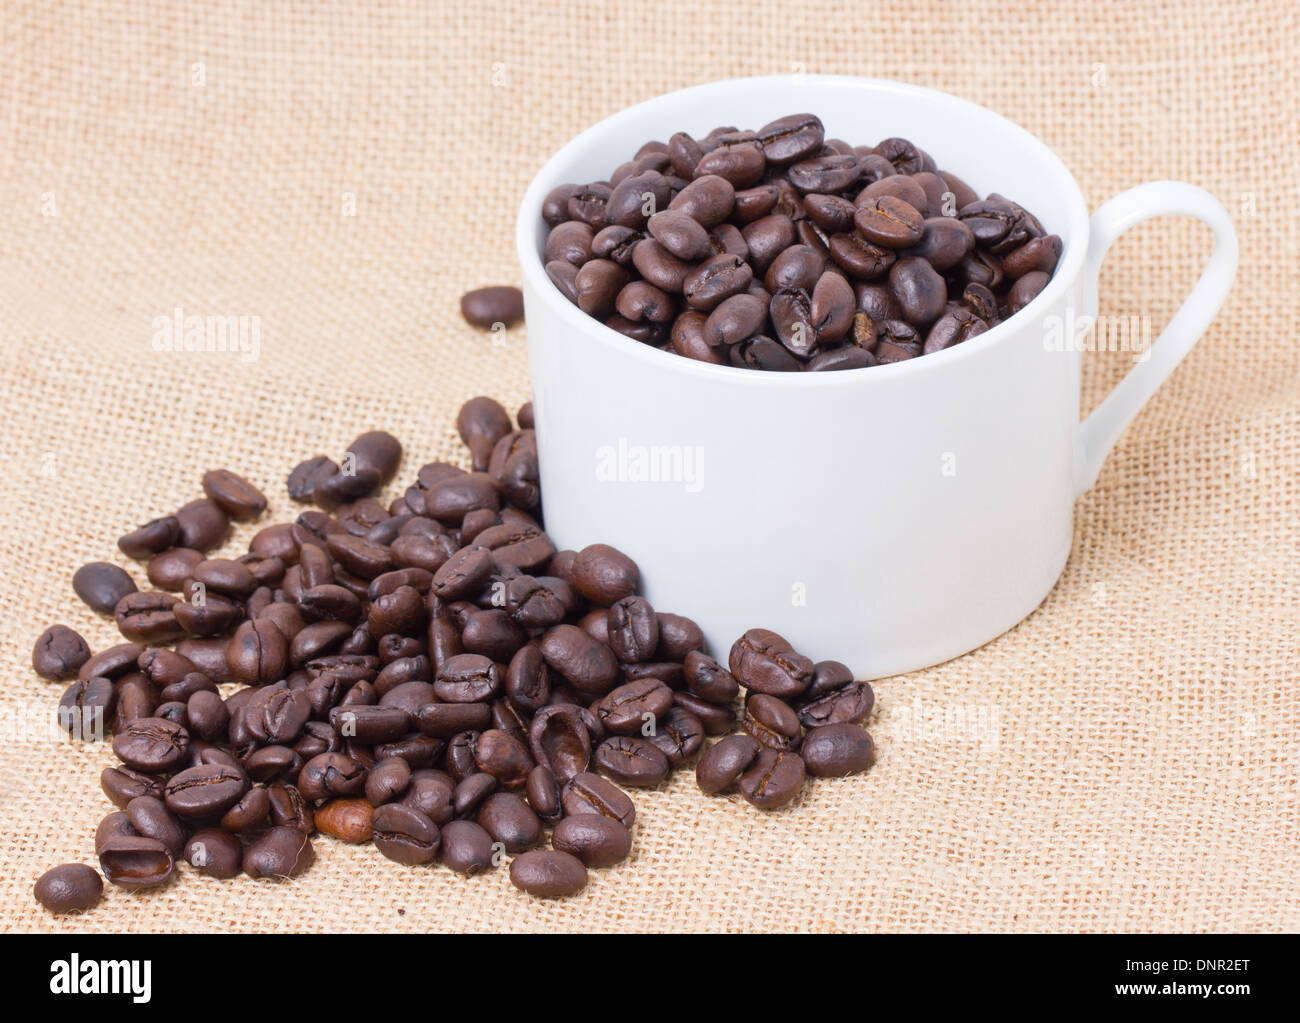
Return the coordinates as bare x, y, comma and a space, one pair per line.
596, 840
848, 704
69, 888
773, 779
503, 756
466, 847
102, 585
280, 853
207, 791
724, 762
214, 852
404, 834
771, 722
152, 745
764, 662
483, 307
233, 494
135, 862
157, 535
890, 222
510, 821
632, 761
203, 525
59, 653
590, 793
548, 874
832, 751
918, 289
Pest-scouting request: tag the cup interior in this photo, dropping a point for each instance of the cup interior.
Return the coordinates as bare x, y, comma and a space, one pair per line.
987, 151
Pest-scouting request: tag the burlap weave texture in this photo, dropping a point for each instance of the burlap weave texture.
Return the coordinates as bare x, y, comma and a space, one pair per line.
1126, 758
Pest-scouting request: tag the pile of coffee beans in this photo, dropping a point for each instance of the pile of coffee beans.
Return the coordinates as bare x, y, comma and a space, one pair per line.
780, 249
429, 675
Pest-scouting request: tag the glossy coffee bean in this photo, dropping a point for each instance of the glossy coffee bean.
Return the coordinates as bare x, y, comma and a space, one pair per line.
135, 862
279, 854
832, 751
548, 874
590, 793
214, 852
102, 585
510, 821
483, 307
632, 761
69, 888
773, 779
59, 653
724, 762
151, 538
204, 792
596, 840
764, 662
466, 847
235, 496
405, 834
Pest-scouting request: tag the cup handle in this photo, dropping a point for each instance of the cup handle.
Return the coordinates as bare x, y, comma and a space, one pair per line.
1098, 433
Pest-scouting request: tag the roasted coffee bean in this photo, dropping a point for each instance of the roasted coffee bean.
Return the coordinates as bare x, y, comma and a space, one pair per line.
152, 745
207, 791
404, 834
203, 525
484, 307
771, 722
846, 357
308, 474
629, 708
596, 840
169, 569
280, 853
59, 653
69, 888
724, 762
432, 793
234, 495
387, 781
548, 873
466, 847
709, 199
371, 725
717, 719
215, 852
135, 862
102, 585
503, 756
121, 785
764, 662
468, 678
470, 793
590, 793
584, 662
86, 708
889, 222
919, 290
632, 761
329, 775
952, 328
944, 244
225, 576
849, 704
773, 779
543, 792
1025, 290
791, 139
825, 174
708, 679
250, 813
628, 205
832, 751
258, 653
151, 818
151, 538
716, 280
290, 808
510, 821
679, 735
633, 629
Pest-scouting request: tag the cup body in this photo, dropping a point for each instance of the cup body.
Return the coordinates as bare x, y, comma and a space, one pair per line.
891, 517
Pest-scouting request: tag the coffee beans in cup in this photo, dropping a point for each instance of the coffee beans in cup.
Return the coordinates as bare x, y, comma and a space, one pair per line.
779, 249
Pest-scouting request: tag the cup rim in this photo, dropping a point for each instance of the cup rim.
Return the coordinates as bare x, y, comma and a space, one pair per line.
590, 330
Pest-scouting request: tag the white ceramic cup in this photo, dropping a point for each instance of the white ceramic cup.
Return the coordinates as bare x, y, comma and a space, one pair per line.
890, 517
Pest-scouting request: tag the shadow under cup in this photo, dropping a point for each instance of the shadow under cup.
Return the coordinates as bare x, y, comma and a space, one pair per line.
891, 517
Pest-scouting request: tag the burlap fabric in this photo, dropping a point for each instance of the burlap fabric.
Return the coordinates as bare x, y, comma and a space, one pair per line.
1124, 759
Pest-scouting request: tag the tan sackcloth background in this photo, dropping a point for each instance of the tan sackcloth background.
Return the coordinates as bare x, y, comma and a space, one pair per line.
1125, 759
